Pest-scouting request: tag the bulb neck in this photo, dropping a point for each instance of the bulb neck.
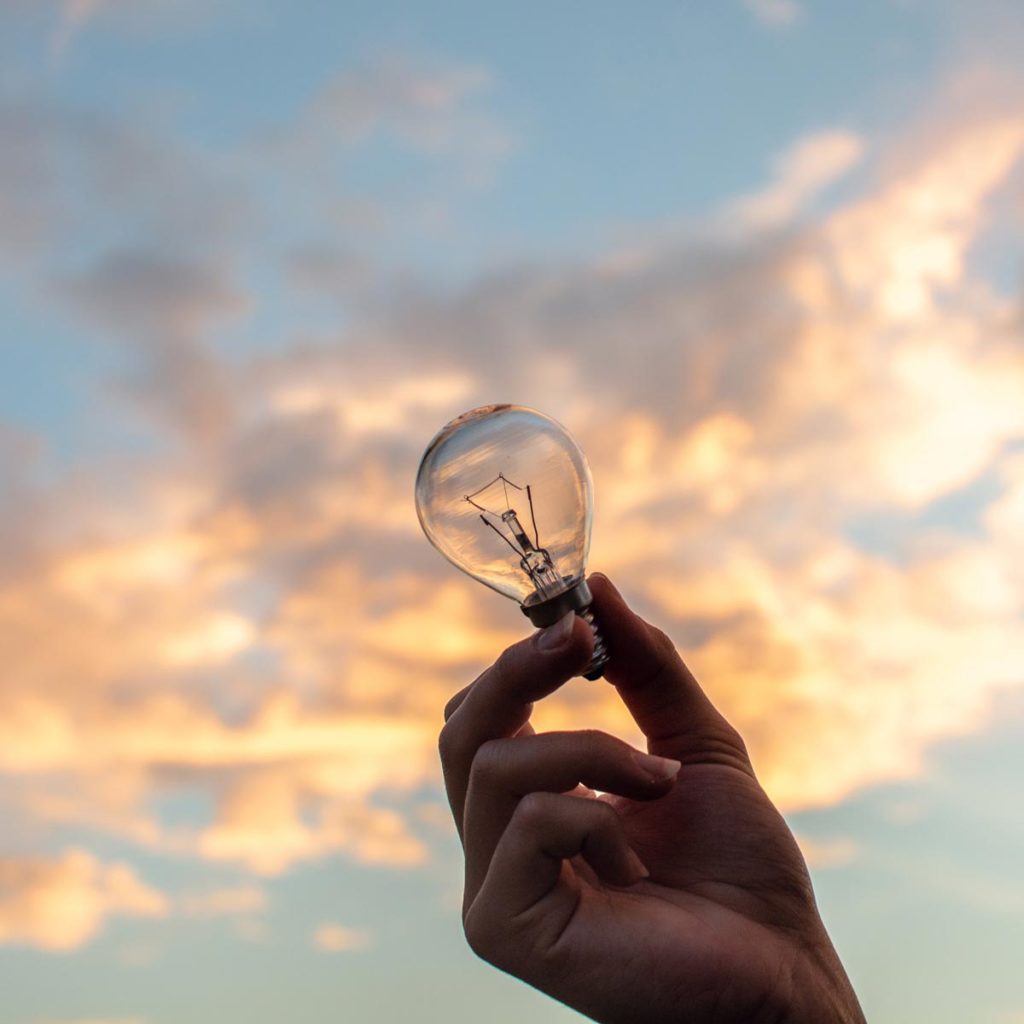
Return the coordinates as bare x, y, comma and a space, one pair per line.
577, 598
546, 611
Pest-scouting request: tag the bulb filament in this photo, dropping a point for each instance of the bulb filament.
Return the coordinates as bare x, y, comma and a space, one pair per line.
534, 560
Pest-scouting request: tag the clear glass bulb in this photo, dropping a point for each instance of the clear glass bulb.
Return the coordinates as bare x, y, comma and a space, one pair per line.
504, 493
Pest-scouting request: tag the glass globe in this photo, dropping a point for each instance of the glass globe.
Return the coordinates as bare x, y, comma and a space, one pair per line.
505, 494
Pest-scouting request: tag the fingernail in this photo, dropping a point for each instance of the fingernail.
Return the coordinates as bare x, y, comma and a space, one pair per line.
636, 866
554, 636
659, 768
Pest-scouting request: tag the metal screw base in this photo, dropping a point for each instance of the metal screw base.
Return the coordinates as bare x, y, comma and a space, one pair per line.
600, 659
575, 599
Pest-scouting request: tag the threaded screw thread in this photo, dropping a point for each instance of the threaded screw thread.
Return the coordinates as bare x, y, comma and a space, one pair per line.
600, 657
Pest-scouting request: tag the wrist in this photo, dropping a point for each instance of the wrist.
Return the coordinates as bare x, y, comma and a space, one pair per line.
824, 994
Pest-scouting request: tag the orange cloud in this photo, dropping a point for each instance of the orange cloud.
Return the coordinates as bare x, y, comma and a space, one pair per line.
61, 903
902, 244
828, 854
260, 824
336, 938
262, 623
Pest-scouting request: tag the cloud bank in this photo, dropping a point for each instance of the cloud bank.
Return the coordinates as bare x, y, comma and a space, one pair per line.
805, 426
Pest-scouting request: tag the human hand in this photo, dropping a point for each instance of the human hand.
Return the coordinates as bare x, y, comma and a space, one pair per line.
680, 895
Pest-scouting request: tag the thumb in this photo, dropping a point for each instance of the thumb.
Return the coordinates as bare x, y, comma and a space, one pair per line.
662, 695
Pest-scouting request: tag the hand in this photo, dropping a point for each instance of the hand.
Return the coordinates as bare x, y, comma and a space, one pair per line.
680, 895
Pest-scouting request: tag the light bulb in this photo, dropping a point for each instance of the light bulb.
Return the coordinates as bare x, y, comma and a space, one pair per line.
504, 493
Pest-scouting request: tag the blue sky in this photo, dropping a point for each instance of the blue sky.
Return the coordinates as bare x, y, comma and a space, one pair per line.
763, 258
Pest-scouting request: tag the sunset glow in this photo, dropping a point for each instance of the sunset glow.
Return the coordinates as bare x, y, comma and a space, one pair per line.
251, 259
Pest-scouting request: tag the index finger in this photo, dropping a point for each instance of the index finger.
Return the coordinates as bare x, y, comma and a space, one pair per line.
662, 695
499, 703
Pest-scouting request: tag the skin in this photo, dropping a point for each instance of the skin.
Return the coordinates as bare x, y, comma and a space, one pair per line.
679, 895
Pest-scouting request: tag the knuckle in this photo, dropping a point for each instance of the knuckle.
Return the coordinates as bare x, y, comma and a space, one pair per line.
663, 643
725, 736
533, 811
732, 736
448, 743
505, 667
480, 936
453, 705
513, 665
605, 816
590, 737
598, 741
593, 745
723, 745
490, 760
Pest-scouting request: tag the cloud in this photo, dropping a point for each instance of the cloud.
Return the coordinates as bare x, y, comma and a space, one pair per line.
148, 294
72, 177
832, 853
385, 409
336, 938
222, 902
74, 15
24, 168
904, 245
418, 103
758, 396
1004, 517
419, 127
775, 13
149, 234
424, 107
261, 823
319, 267
255, 619
73, 18
163, 307
162, 278
804, 170
62, 903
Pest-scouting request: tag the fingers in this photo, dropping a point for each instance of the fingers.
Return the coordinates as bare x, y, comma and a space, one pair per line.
499, 703
504, 771
452, 706
547, 829
660, 691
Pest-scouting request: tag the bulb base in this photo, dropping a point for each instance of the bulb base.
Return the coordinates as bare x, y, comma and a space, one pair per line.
547, 611
595, 670
577, 598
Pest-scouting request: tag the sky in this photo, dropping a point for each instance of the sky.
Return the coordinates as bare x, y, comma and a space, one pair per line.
762, 257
